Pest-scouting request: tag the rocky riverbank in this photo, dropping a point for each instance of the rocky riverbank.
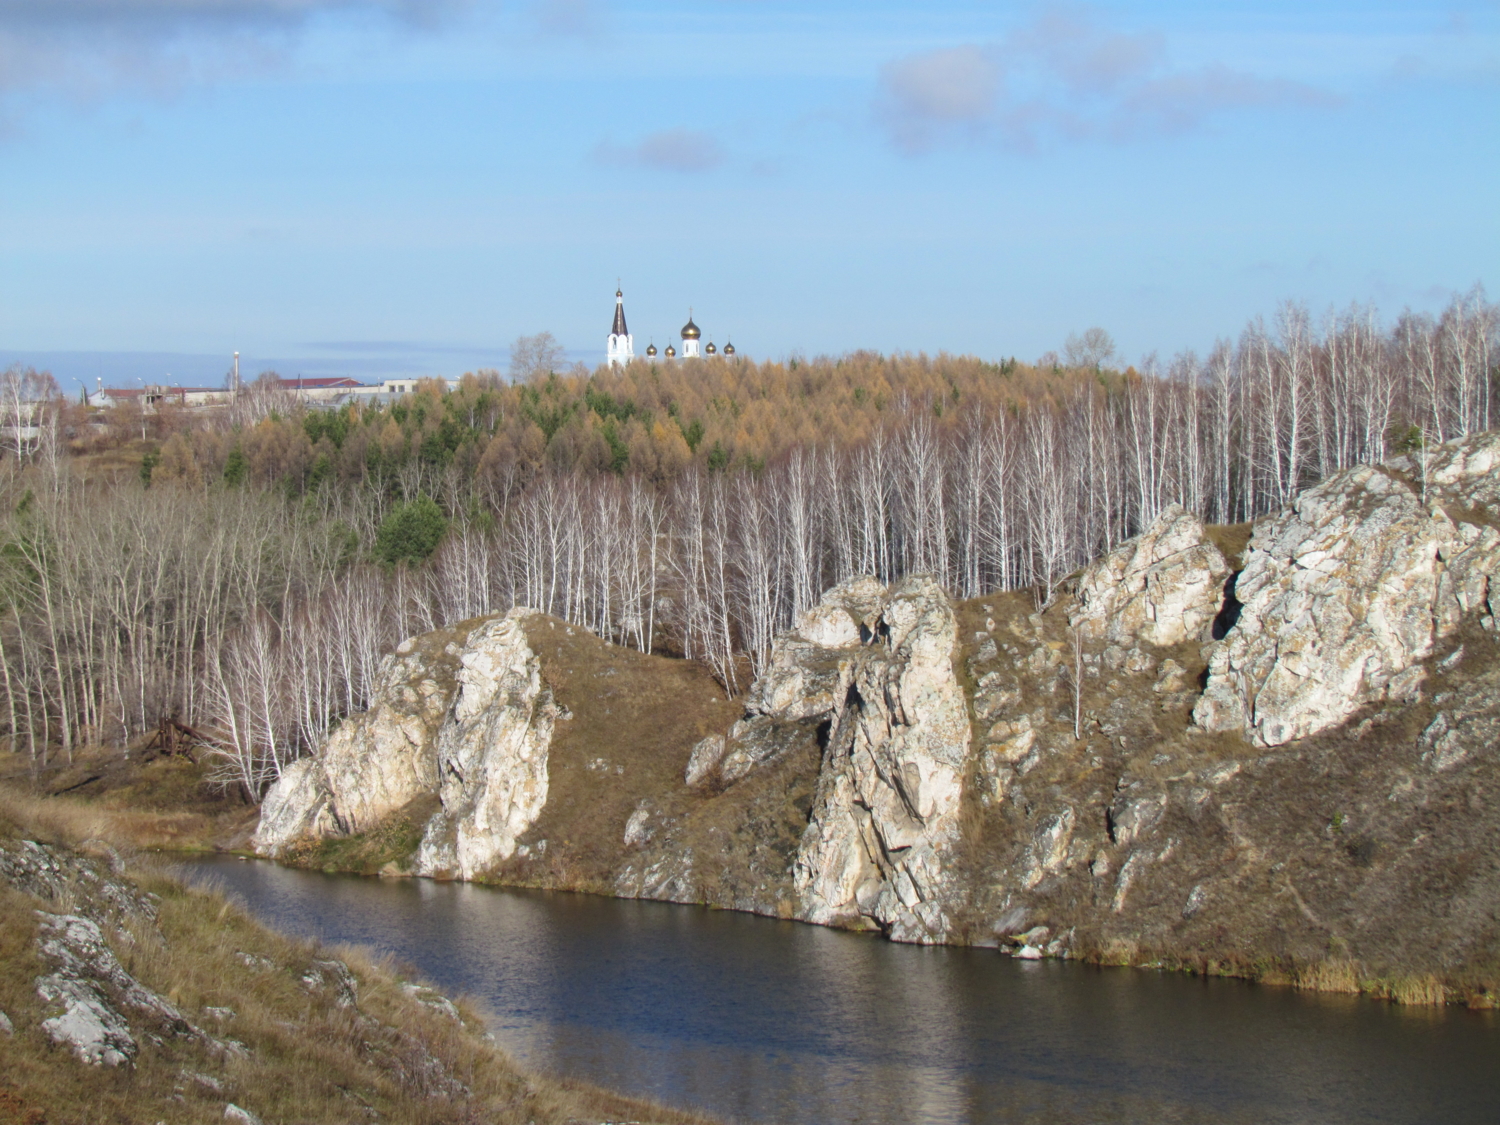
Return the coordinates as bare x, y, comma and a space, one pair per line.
1272, 756
128, 996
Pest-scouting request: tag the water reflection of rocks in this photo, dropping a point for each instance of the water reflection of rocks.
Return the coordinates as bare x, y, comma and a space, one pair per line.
759, 1020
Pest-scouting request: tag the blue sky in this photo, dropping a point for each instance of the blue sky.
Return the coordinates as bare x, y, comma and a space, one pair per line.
380, 186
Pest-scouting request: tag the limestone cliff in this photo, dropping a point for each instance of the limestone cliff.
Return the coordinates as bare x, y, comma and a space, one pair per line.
1346, 591
886, 812
466, 717
1266, 749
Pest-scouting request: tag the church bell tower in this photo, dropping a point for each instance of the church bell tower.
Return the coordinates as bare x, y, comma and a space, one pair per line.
619, 349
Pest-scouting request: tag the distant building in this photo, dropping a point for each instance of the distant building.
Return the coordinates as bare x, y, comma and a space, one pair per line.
691, 334
152, 394
326, 389
314, 391
389, 389
619, 349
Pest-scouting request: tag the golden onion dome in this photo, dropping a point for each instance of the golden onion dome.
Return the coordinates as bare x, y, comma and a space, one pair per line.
710, 350
728, 349
671, 351
650, 349
690, 331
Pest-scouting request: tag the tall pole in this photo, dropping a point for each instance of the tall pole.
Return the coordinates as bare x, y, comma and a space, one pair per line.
234, 391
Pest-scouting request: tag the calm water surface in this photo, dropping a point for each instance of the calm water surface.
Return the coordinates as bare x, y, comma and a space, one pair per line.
757, 1020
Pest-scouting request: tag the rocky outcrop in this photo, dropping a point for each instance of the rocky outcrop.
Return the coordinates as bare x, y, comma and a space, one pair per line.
808, 676
462, 714
90, 991
1351, 586
58, 875
869, 673
1163, 587
1100, 777
90, 1000
377, 761
885, 816
491, 753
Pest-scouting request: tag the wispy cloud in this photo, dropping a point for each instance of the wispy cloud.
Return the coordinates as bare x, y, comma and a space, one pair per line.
1064, 77
85, 48
172, 16
929, 94
572, 19
671, 150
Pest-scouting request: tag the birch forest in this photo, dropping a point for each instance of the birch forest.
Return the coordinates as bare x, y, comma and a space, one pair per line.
243, 570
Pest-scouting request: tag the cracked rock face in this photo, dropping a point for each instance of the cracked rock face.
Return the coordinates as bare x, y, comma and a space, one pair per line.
1164, 586
468, 719
807, 679
886, 811
1350, 587
91, 987
491, 753
53, 873
375, 762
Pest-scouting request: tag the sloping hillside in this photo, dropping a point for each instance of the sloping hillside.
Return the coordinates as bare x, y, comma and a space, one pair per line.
1272, 756
127, 996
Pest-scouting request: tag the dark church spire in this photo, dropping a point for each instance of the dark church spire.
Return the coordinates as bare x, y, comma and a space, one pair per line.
619, 329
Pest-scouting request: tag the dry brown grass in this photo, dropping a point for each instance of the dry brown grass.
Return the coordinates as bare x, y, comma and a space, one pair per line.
1417, 989
142, 801
52, 819
307, 1059
1231, 539
1330, 976
634, 722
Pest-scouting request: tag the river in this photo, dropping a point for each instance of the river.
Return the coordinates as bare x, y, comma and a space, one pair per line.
757, 1020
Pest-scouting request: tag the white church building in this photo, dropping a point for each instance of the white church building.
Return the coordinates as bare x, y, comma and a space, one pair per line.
619, 348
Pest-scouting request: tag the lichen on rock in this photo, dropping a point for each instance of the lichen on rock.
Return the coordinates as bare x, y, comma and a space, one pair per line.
1164, 586
463, 714
491, 752
91, 991
886, 811
1351, 586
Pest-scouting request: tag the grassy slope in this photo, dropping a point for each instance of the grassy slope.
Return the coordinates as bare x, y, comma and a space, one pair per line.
1339, 862
145, 800
634, 721
388, 1058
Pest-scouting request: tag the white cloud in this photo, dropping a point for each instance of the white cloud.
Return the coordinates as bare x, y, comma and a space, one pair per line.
155, 16
1063, 77
85, 48
928, 94
1175, 102
577, 19
671, 150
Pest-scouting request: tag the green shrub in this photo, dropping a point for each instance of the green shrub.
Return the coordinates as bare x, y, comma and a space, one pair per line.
411, 532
